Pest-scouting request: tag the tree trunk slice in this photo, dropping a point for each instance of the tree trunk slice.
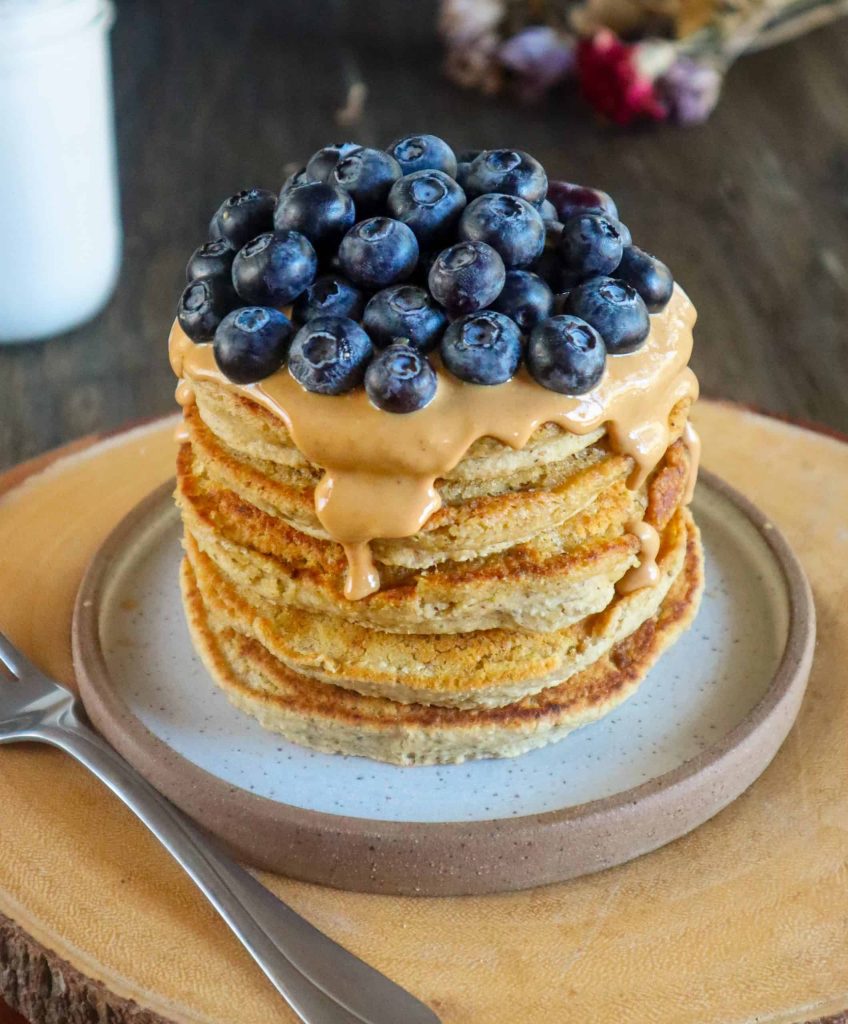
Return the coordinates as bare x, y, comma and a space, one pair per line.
43, 987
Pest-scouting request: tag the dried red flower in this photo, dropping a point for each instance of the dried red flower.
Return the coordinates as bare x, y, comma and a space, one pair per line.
611, 80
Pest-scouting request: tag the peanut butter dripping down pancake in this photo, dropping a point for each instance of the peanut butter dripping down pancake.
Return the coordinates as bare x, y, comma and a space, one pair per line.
380, 469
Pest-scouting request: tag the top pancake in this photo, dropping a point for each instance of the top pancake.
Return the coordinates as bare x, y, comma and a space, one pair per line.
532, 539
493, 499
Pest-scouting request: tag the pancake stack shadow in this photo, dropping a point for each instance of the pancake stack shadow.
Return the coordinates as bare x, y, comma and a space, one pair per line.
498, 627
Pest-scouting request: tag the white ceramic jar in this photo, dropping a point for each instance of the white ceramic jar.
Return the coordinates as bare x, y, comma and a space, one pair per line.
60, 234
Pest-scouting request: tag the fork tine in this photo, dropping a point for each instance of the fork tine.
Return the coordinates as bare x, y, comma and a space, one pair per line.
17, 663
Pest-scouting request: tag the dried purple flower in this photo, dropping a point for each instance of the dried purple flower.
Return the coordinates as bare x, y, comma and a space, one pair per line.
690, 88
539, 57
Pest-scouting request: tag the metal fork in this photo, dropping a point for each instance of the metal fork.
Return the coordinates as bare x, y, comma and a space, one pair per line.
320, 980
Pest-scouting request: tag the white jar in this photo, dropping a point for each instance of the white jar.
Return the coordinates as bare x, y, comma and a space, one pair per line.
60, 233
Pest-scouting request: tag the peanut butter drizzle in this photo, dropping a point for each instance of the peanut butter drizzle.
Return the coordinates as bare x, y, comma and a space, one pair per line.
185, 397
647, 572
184, 394
380, 469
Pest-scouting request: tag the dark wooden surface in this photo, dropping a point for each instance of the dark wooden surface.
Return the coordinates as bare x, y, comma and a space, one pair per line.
749, 210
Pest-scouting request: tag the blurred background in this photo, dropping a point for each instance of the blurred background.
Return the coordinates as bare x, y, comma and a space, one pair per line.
749, 208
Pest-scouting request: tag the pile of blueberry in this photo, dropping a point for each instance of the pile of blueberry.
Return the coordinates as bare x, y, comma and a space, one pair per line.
386, 256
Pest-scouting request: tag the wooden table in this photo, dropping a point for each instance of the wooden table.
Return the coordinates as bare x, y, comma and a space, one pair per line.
749, 210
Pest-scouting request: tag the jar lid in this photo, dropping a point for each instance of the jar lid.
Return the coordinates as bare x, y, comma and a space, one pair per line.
33, 23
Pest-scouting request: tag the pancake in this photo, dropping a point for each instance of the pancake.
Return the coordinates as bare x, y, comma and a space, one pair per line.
476, 528
528, 586
246, 427
548, 583
332, 719
497, 499
486, 668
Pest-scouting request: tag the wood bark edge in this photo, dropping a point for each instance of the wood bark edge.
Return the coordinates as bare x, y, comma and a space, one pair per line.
45, 989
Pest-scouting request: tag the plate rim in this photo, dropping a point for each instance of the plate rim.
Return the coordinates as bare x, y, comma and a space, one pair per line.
432, 858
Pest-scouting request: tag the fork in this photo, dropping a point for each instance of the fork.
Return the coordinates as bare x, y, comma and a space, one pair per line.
321, 981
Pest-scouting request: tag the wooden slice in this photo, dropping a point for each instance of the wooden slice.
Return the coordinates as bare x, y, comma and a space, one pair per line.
742, 920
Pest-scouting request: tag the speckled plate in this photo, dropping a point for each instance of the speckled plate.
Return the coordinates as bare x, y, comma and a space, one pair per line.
701, 728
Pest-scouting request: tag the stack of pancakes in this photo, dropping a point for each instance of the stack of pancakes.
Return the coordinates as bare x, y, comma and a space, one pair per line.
499, 627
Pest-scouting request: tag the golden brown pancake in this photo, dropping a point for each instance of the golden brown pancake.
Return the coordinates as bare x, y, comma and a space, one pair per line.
482, 668
333, 719
538, 487
558, 576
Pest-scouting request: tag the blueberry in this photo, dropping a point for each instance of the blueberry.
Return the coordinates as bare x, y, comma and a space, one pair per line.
212, 259
252, 343
548, 265
367, 174
321, 212
404, 311
553, 233
549, 268
548, 212
589, 245
378, 252
203, 305
244, 216
569, 200
400, 379
429, 202
330, 295
274, 268
566, 354
295, 180
422, 153
467, 276
463, 164
651, 278
525, 298
329, 355
322, 164
509, 171
512, 227
482, 348
614, 309
624, 231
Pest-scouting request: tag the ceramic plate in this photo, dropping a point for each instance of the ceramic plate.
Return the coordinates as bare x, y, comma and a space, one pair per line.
703, 725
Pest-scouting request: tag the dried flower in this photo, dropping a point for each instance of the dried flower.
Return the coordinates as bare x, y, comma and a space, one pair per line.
613, 81
462, 22
469, 28
539, 57
690, 89
475, 64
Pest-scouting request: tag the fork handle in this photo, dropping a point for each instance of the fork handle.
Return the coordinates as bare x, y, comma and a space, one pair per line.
320, 980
